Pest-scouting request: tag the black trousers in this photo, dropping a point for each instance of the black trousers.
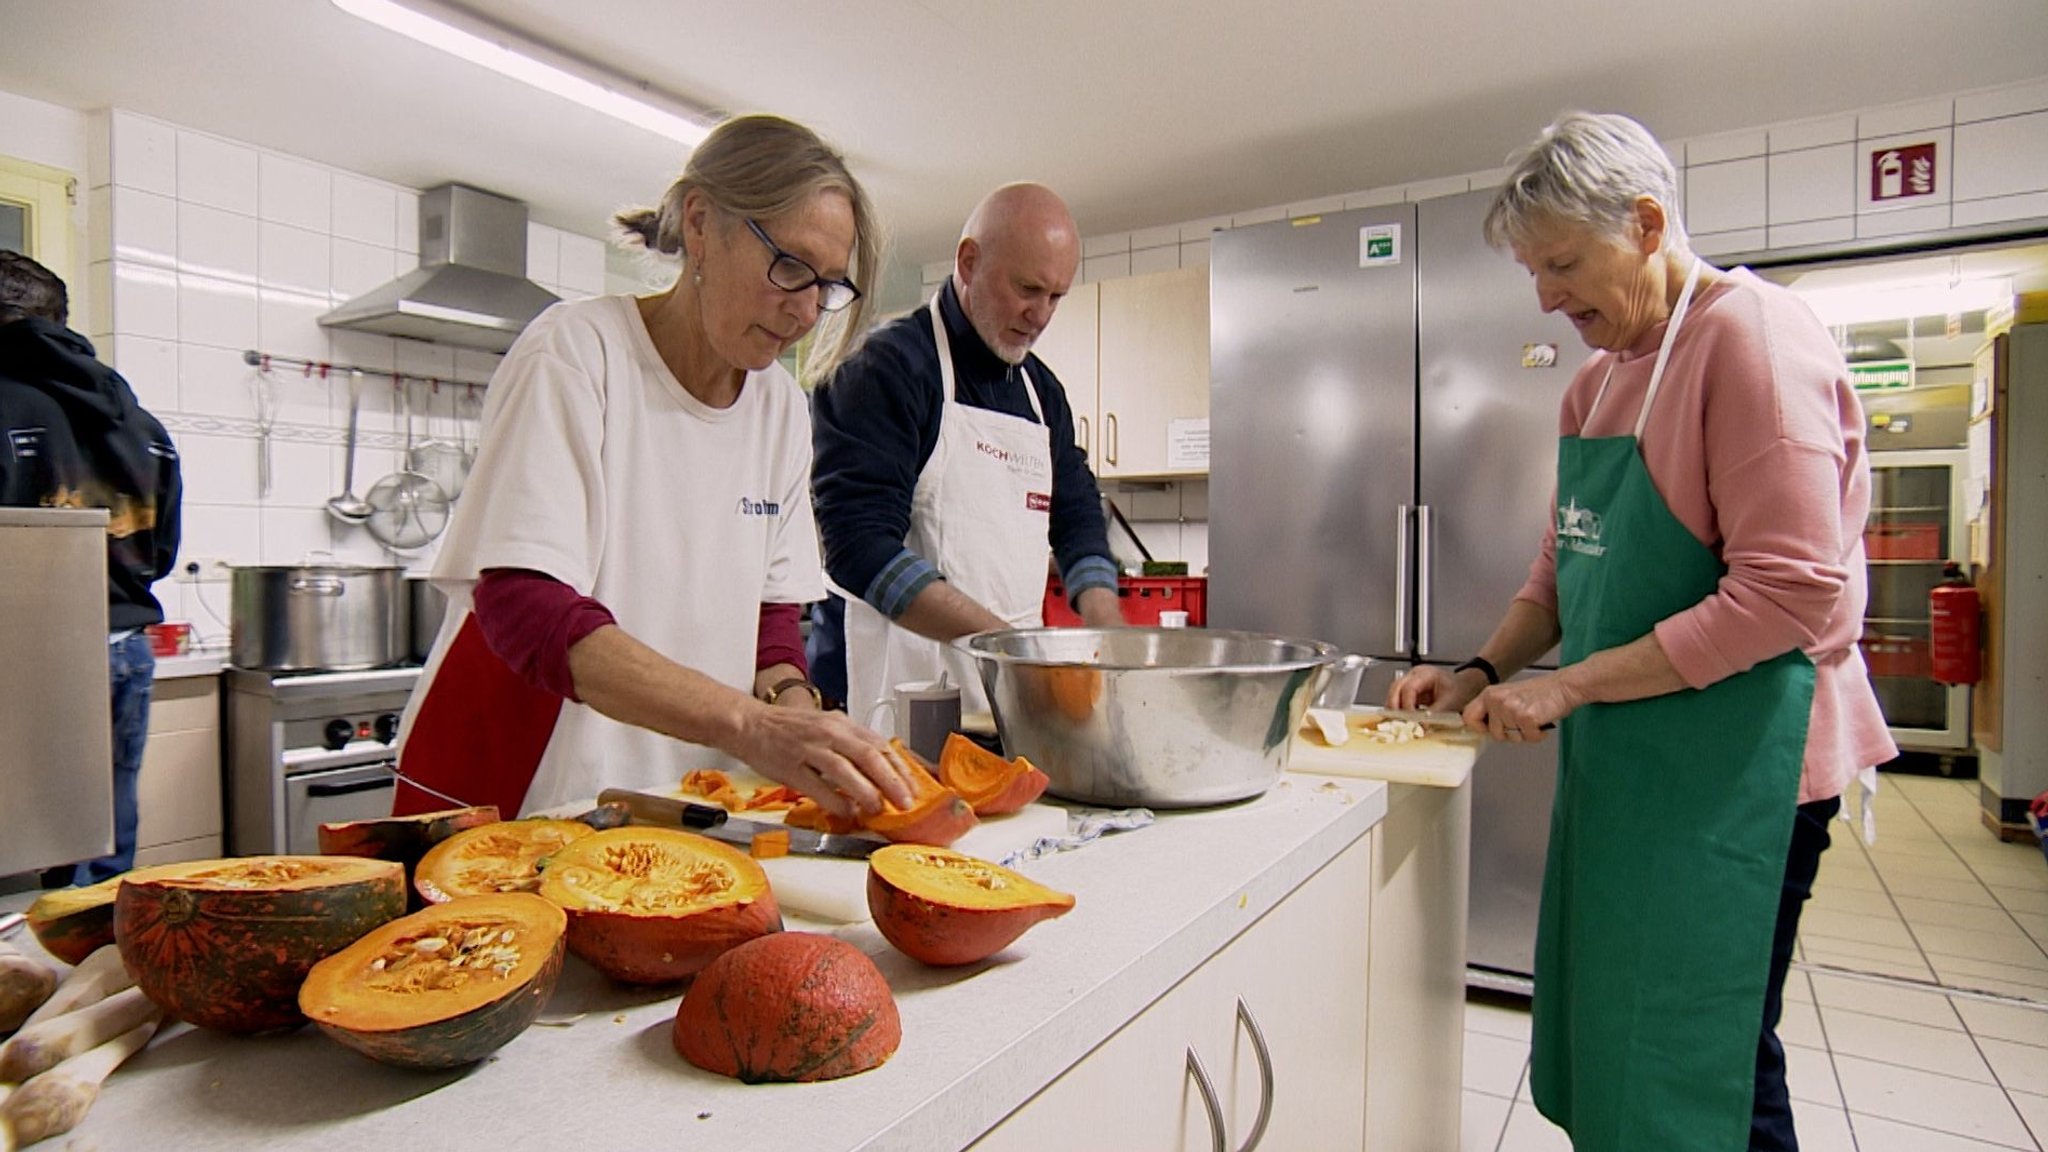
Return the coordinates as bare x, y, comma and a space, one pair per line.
1770, 1124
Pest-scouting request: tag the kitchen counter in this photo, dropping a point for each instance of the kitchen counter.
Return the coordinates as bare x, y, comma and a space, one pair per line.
978, 1042
186, 667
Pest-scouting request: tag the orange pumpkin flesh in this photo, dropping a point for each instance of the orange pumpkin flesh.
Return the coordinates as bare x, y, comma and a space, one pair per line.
942, 907
226, 944
655, 905
938, 816
401, 838
991, 785
442, 987
794, 1006
73, 923
501, 857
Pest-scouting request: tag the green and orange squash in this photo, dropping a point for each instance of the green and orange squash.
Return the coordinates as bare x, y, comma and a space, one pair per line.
794, 1006
225, 944
73, 923
943, 908
401, 838
655, 905
443, 987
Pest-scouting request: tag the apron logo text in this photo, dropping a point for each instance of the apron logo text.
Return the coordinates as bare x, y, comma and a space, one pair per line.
1579, 529
1019, 463
1038, 502
759, 507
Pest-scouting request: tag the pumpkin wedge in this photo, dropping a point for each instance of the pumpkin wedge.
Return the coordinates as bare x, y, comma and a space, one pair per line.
401, 838
502, 857
225, 944
655, 905
794, 1006
443, 987
991, 785
73, 923
938, 816
943, 908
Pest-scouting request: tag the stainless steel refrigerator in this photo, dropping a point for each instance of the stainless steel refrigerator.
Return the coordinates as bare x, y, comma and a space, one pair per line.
1383, 439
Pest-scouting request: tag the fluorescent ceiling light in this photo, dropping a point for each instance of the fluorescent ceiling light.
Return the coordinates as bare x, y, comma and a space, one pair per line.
1868, 303
479, 42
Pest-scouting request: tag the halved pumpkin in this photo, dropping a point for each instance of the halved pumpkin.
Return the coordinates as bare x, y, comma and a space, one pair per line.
794, 1006
73, 923
443, 987
655, 905
943, 907
225, 944
501, 857
991, 785
401, 838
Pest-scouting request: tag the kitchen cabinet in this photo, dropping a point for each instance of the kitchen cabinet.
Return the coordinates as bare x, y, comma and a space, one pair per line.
178, 795
1298, 974
1133, 354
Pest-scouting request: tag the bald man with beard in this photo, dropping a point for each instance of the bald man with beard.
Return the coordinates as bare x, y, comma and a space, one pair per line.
945, 465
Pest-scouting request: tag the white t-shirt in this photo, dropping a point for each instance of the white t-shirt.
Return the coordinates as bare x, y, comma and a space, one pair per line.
598, 469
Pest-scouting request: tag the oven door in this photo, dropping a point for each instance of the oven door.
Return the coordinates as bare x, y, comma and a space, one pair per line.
361, 792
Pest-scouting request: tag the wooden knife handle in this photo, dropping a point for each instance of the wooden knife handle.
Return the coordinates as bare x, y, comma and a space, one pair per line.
663, 809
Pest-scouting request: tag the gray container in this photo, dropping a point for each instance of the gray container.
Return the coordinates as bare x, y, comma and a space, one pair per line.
428, 608
317, 617
1164, 717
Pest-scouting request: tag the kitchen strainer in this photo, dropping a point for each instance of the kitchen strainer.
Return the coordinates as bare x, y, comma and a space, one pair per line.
407, 509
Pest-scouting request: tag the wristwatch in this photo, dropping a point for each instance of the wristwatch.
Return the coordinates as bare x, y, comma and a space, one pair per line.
1484, 666
775, 692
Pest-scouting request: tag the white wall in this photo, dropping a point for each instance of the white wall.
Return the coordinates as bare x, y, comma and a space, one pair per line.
55, 137
204, 247
1778, 187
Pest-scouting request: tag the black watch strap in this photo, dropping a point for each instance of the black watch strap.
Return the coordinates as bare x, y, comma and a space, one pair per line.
1484, 666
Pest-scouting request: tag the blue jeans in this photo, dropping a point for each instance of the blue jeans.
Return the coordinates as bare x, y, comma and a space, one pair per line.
1770, 1124
131, 674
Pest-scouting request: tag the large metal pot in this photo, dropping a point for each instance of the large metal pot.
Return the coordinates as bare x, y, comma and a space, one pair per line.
316, 617
428, 608
1165, 717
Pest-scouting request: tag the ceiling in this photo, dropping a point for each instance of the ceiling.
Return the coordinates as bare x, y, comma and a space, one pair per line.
1141, 112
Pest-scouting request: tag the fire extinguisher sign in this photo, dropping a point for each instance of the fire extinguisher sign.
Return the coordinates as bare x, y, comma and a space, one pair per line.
1902, 172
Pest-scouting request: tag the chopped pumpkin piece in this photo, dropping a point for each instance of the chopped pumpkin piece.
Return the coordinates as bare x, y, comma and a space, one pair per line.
769, 844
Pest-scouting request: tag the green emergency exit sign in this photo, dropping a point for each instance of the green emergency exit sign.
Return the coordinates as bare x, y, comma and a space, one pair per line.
1882, 376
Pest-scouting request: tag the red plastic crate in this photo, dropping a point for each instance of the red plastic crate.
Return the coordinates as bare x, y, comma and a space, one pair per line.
1907, 657
1144, 598
1911, 540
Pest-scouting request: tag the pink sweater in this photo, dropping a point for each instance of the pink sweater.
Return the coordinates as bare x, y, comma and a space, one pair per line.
1756, 443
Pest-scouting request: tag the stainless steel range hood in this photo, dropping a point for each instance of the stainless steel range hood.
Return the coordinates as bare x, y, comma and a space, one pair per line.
470, 289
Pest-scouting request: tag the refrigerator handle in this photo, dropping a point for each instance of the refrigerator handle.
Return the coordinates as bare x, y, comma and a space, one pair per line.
1401, 579
1425, 555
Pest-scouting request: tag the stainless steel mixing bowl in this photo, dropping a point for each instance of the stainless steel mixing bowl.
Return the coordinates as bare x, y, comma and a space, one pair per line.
1164, 717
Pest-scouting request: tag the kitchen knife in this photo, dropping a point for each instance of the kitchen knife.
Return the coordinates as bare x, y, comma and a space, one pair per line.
717, 823
1451, 720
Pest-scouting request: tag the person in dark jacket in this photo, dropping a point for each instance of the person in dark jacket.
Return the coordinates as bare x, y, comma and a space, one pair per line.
74, 437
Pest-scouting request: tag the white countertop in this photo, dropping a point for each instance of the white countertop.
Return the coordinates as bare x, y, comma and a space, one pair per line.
977, 1041
197, 664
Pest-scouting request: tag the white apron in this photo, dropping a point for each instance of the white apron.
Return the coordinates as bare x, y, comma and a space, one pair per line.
980, 514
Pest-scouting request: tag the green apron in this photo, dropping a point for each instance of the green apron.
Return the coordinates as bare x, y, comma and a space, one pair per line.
1668, 838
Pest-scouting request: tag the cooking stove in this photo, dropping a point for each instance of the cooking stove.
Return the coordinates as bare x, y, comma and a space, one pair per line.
304, 748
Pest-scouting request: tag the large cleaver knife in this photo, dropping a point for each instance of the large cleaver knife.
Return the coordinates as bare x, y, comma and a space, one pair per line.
717, 823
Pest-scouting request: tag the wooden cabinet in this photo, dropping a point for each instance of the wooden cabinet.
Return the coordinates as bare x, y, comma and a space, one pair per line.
178, 796
1133, 354
1299, 974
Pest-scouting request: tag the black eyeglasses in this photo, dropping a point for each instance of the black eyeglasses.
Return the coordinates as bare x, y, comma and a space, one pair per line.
794, 274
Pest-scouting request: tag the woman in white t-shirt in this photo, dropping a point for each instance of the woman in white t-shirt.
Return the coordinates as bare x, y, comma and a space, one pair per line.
624, 572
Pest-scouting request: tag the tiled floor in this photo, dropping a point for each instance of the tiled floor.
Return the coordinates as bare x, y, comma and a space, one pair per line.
1880, 1058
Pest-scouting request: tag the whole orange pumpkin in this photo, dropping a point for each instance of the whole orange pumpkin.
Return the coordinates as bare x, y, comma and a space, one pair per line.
794, 1006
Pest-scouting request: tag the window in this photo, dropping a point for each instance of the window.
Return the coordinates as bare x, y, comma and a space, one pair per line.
35, 214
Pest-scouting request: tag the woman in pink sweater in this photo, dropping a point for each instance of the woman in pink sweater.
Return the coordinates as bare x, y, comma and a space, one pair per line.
1704, 575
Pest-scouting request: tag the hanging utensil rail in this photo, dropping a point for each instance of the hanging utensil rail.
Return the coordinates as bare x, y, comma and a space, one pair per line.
323, 369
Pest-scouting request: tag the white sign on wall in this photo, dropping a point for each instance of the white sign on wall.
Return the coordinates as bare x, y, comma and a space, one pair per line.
1187, 444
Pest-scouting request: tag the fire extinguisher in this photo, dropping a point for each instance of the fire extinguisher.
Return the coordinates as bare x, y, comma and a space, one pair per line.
1956, 624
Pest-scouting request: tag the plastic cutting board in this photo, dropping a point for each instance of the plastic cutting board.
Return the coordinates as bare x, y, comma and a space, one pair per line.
1441, 759
836, 890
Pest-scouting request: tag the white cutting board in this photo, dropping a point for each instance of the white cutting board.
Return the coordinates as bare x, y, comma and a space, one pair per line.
833, 889
1441, 759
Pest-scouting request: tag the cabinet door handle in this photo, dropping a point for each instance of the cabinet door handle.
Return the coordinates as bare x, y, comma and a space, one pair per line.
1083, 437
1259, 1049
1218, 1137
1112, 437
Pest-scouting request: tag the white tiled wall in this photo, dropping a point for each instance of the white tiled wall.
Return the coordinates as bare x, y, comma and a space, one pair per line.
1788, 185
201, 248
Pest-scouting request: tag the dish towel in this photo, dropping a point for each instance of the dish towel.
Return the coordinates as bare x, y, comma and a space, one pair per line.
1084, 825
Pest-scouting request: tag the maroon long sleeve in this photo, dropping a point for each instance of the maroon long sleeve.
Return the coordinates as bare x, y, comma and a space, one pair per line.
780, 640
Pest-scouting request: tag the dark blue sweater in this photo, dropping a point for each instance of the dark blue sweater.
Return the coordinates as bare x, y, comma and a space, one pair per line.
875, 423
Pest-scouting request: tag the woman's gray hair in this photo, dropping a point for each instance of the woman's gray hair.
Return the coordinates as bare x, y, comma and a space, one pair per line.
756, 168
1586, 168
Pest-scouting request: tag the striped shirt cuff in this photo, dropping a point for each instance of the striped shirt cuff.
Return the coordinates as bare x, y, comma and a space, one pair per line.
898, 583
1088, 572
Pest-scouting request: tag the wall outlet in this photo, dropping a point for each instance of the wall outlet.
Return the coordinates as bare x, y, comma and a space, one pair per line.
202, 569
